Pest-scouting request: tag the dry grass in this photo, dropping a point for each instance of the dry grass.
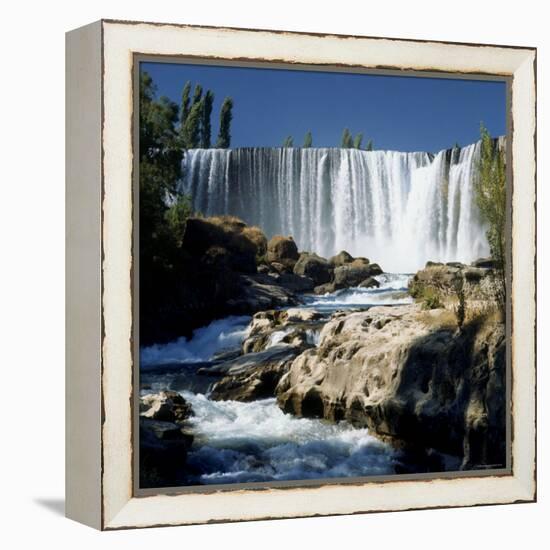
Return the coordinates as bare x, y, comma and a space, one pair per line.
439, 319
256, 236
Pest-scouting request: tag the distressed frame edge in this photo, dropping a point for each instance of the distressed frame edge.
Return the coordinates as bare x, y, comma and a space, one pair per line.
524, 490
83, 291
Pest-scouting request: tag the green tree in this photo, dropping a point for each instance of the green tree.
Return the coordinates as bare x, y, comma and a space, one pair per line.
206, 134
191, 131
369, 145
176, 215
185, 103
308, 140
197, 94
490, 189
160, 157
358, 140
347, 139
226, 116
288, 142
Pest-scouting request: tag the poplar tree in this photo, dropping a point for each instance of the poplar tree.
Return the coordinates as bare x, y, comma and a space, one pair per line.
185, 103
369, 145
358, 140
308, 140
288, 142
347, 140
490, 189
206, 130
191, 131
197, 94
226, 115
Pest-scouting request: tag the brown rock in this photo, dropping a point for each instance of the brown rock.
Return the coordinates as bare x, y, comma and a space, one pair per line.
282, 250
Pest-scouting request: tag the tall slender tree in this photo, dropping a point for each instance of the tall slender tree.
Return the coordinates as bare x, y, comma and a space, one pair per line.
191, 131
226, 115
308, 140
197, 94
206, 130
358, 140
288, 141
490, 188
347, 139
185, 103
369, 145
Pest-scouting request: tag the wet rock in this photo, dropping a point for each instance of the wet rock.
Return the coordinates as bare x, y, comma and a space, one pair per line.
164, 440
354, 273
252, 376
313, 266
486, 263
259, 292
282, 250
411, 377
370, 282
163, 450
327, 288
341, 258
165, 406
295, 283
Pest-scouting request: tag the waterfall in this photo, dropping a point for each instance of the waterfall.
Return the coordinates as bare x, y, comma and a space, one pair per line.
398, 209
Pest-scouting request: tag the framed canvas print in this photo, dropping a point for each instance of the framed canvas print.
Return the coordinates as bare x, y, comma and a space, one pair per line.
300, 274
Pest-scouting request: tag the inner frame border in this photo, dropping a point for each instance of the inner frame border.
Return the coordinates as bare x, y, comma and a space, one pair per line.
137, 59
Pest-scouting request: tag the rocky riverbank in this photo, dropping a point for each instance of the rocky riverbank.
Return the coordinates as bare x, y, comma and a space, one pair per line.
426, 372
225, 267
164, 439
415, 375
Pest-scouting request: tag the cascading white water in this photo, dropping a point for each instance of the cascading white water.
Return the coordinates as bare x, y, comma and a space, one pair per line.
399, 209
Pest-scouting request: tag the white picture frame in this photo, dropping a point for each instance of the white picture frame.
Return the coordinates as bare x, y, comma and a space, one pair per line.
100, 260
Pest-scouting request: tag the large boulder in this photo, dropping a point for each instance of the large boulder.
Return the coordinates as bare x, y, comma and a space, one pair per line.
241, 243
313, 266
282, 250
479, 285
164, 439
252, 376
163, 449
165, 406
295, 283
259, 292
354, 273
293, 326
410, 376
341, 258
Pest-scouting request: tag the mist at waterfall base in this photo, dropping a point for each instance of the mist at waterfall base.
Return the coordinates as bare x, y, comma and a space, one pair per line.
253, 442
398, 209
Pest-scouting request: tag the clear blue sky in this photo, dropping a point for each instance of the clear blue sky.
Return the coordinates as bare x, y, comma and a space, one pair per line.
399, 113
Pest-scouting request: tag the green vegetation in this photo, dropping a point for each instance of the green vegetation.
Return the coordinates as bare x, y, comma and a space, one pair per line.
185, 107
490, 188
460, 308
195, 127
162, 211
191, 130
226, 116
347, 139
206, 126
308, 140
350, 142
288, 142
430, 299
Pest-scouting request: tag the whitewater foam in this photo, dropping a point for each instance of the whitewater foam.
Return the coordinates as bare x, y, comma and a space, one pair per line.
227, 333
246, 442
